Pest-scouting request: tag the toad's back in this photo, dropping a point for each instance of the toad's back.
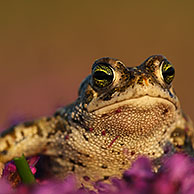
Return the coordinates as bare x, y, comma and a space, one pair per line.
121, 113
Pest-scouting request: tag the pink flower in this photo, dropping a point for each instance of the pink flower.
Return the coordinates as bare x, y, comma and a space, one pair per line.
10, 173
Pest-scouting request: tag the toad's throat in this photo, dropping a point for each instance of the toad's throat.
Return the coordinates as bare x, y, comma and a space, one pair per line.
140, 116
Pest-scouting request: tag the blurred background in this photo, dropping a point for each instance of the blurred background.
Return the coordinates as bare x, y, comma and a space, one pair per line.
47, 48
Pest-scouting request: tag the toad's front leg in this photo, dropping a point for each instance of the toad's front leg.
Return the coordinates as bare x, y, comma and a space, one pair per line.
30, 138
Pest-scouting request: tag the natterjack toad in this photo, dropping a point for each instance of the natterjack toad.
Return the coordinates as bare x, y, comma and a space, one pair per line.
121, 113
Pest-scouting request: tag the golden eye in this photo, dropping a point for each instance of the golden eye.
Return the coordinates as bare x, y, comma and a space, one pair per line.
168, 71
102, 75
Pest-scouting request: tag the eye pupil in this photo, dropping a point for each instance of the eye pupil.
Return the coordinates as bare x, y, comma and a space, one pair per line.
168, 72
100, 75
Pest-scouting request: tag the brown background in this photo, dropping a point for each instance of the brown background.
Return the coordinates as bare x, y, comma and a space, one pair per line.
48, 47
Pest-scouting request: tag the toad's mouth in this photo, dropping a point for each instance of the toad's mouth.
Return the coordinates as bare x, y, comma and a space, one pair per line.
140, 103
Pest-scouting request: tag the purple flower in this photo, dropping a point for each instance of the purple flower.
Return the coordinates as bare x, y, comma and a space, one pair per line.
180, 172
5, 188
175, 176
140, 176
178, 167
57, 187
141, 169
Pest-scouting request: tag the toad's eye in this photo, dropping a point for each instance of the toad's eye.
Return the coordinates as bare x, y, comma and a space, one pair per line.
102, 75
168, 71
